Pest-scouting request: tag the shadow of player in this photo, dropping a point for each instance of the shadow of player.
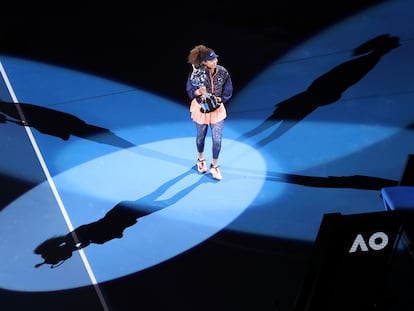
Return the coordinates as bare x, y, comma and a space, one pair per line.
324, 90
57, 250
57, 123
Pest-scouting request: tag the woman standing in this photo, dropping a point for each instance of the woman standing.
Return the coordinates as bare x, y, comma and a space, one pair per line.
209, 87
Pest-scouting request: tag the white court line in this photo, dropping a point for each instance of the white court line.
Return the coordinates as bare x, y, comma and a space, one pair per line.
53, 187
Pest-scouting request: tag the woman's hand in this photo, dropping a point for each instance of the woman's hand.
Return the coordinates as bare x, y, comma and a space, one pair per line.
200, 91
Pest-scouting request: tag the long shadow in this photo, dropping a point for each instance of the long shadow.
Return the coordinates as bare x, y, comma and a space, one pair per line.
57, 123
352, 182
325, 90
125, 214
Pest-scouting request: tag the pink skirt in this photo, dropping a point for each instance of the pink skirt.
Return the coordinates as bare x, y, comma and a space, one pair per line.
207, 118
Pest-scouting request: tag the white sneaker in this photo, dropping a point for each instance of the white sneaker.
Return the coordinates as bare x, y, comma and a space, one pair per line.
201, 166
215, 171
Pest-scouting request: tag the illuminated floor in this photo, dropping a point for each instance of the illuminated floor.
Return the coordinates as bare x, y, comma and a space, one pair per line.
320, 129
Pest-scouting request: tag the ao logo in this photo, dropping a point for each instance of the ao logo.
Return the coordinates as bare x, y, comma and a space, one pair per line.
377, 241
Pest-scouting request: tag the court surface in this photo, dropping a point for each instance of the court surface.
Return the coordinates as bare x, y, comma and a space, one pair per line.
102, 199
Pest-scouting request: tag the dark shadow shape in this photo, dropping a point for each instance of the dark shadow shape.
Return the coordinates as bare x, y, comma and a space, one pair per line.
58, 123
352, 182
15, 188
326, 89
56, 250
410, 126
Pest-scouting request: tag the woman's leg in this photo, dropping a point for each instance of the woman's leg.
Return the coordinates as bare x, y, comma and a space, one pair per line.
200, 142
201, 137
216, 134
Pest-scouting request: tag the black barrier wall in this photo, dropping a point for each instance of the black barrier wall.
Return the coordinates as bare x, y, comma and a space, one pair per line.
351, 261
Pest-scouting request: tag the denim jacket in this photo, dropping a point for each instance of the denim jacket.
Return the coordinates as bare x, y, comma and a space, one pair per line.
219, 84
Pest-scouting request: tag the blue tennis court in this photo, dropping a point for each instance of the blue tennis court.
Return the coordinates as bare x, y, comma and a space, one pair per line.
102, 199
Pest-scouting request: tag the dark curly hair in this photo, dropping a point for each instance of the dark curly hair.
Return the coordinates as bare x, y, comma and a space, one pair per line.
198, 53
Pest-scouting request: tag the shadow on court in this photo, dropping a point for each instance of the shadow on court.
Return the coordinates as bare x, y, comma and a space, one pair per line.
57, 123
57, 250
324, 90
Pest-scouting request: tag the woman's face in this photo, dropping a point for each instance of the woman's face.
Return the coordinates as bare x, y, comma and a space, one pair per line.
211, 64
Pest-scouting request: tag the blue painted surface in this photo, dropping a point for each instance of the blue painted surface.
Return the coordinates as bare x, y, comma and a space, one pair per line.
320, 154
